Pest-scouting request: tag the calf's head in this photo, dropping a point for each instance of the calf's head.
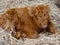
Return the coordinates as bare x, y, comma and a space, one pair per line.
40, 15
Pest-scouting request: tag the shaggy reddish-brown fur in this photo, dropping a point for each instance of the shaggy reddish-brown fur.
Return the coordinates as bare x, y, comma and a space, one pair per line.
28, 21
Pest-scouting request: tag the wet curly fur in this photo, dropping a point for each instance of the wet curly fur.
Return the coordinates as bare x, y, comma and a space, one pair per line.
28, 22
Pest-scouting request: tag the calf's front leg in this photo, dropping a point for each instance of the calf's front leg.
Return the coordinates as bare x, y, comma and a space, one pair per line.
51, 28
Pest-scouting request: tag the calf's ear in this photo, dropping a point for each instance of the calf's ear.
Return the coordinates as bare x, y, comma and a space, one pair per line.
47, 8
31, 11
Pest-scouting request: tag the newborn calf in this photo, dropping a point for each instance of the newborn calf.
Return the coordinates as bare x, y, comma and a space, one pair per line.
28, 21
